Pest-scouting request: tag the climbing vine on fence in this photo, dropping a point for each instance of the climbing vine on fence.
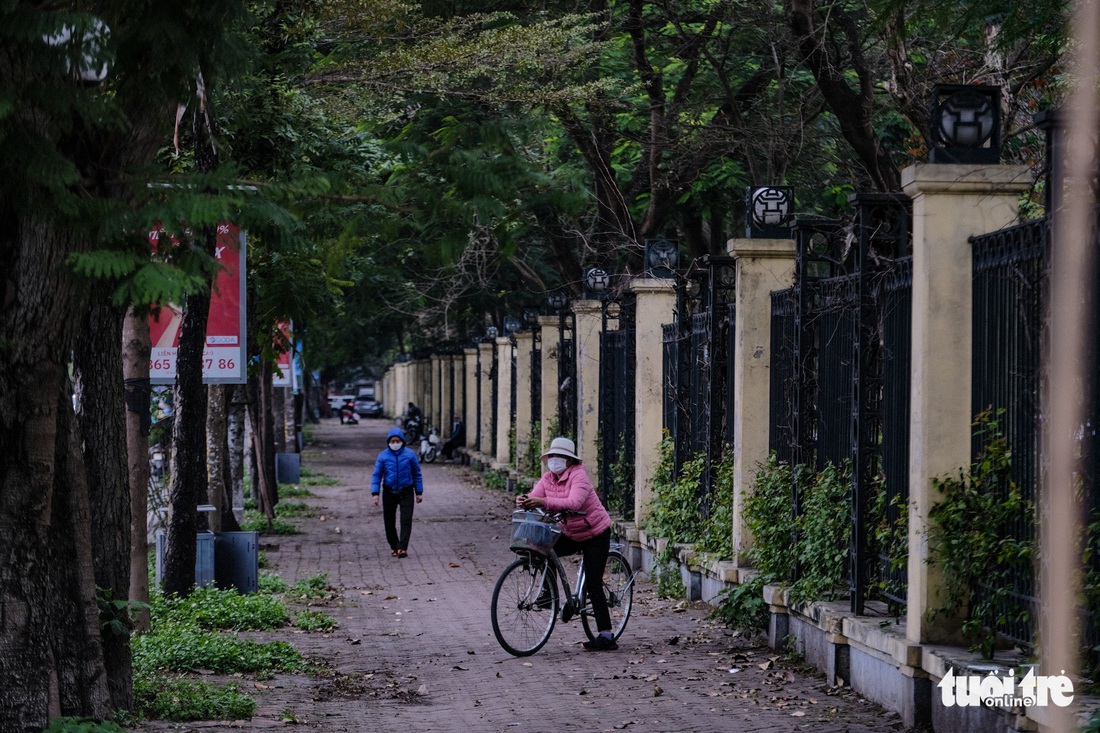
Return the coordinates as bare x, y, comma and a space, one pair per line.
973, 539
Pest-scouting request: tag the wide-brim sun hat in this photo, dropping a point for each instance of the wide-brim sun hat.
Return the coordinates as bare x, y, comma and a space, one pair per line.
562, 447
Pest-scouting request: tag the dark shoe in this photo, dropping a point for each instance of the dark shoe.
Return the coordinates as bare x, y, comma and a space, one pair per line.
395, 553
402, 553
601, 644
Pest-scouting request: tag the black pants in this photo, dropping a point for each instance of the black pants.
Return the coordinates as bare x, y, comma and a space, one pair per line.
595, 551
391, 500
449, 448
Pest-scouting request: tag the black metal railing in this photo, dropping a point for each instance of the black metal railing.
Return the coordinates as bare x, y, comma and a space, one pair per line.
617, 386
1010, 273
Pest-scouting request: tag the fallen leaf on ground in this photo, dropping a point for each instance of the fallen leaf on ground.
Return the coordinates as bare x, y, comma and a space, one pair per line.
454, 565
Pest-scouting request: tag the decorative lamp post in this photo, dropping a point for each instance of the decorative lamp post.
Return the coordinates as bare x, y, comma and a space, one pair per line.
491, 332
661, 258
769, 212
596, 282
511, 325
530, 317
557, 299
966, 124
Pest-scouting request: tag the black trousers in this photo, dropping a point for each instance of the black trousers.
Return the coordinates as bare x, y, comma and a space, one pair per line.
391, 500
594, 559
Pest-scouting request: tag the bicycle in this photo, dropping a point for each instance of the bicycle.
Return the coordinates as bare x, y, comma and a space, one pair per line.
526, 597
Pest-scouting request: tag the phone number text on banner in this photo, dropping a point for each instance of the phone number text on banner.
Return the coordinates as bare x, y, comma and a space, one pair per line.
224, 353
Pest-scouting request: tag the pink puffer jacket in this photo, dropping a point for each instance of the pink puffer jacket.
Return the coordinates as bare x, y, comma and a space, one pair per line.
573, 491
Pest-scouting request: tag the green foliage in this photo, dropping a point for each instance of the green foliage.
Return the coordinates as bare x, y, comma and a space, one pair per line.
186, 648
495, 479
82, 725
116, 617
742, 606
311, 477
670, 584
256, 522
974, 541
891, 535
161, 697
824, 533
768, 516
212, 608
294, 509
675, 510
717, 536
309, 620
534, 451
271, 583
313, 588
620, 495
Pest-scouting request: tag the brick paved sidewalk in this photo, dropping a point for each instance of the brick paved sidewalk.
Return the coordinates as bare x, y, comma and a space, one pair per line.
415, 649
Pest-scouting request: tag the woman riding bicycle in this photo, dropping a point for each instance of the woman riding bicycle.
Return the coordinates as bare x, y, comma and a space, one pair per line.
565, 487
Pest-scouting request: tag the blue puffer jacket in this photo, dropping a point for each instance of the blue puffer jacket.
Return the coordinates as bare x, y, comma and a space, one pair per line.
396, 470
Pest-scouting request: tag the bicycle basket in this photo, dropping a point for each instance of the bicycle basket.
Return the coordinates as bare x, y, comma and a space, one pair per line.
532, 531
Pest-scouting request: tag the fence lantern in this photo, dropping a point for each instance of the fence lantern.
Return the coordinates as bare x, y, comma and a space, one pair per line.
769, 210
596, 282
511, 325
531, 316
661, 258
491, 332
557, 299
965, 124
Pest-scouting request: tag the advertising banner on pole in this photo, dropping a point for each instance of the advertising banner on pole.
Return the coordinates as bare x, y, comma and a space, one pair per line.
284, 375
224, 353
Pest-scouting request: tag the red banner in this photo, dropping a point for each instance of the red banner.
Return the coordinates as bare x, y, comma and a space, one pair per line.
224, 354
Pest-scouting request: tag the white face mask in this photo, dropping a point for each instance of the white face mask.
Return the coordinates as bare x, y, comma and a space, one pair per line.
556, 464
395, 445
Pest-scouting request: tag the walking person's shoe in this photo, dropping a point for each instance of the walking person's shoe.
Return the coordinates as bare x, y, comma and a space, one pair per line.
395, 553
601, 644
402, 553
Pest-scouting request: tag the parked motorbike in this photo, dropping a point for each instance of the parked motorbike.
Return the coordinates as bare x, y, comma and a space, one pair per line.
347, 414
412, 430
429, 446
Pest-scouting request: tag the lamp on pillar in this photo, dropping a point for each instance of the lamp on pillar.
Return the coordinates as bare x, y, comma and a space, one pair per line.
966, 124
491, 332
511, 325
557, 299
596, 282
530, 317
770, 210
661, 258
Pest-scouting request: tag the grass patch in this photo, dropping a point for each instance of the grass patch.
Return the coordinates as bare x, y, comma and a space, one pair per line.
178, 648
294, 491
212, 608
315, 621
256, 522
271, 583
180, 699
82, 725
294, 509
313, 588
310, 477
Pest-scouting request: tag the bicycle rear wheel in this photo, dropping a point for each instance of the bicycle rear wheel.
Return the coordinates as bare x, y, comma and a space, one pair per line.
618, 586
525, 606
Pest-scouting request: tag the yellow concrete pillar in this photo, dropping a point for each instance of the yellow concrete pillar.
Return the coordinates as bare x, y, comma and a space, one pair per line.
655, 306
549, 405
762, 265
950, 204
434, 413
486, 368
589, 315
504, 402
470, 415
525, 341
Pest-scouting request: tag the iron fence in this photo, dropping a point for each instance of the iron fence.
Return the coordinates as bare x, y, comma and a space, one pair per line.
617, 388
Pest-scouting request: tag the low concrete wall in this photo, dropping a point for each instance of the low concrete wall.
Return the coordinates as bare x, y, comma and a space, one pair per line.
870, 654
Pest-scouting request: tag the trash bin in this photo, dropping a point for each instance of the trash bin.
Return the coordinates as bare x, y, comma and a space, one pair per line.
288, 468
204, 557
236, 561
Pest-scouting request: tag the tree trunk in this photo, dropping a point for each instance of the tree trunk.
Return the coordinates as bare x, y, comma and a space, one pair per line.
49, 638
278, 419
187, 484
97, 366
136, 349
237, 445
218, 451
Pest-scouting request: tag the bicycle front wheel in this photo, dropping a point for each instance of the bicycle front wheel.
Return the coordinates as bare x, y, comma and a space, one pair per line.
618, 587
525, 606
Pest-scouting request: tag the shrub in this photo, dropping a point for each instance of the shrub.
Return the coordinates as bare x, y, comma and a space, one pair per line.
308, 620
181, 700
742, 606
212, 608
180, 648
82, 725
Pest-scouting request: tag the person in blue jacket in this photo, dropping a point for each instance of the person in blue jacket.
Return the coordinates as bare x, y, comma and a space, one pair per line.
397, 477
